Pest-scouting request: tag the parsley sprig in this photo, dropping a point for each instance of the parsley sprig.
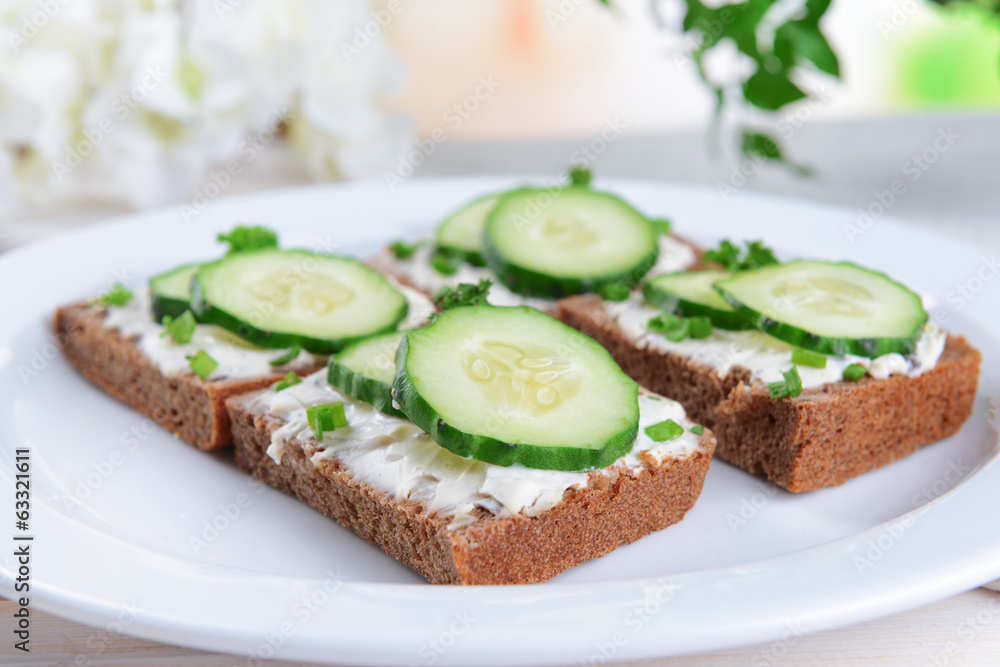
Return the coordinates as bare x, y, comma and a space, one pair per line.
249, 237
730, 256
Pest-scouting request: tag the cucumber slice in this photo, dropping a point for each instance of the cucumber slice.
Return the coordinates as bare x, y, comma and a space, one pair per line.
514, 385
829, 307
365, 370
171, 291
461, 233
280, 298
691, 294
563, 241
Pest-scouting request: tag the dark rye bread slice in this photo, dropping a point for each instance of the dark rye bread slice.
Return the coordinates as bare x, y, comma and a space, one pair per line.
192, 408
613, 510
822, 438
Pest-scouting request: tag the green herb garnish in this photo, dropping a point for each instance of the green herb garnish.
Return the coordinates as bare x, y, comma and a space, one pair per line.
661, 225
663, 323
794, 381
464, 294
854, 372
580, 176
699, 327
326, 417
808, 358
118, 295
615, 291
249, 237
679, 332
202, 364
289, 380
403, 250
698, 430
664, 431
180, 329
755, 256
790, 386
444, 264
291, 355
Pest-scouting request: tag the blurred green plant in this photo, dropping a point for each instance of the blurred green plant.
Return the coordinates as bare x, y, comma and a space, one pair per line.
778, 50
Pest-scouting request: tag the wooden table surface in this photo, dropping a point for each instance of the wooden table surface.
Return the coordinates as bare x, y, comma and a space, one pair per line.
962, 191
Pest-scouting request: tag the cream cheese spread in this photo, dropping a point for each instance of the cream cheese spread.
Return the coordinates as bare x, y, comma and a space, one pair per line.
767, 357
236, 357
674, 256
396, 457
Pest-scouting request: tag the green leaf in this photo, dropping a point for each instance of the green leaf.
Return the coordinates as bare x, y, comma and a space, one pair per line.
771, 90
765, 146
803, 40
580, 176
465, 294
664, 431
118, 295
403, 250
249, 237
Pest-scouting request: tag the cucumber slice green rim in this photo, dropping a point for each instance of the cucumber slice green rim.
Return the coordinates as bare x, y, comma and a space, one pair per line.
829, 307
563, 241
691, 294
171, 291
514, 385
460, 235
365, 370
280, 298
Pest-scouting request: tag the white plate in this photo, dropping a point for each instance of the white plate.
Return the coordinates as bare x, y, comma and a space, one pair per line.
748, 564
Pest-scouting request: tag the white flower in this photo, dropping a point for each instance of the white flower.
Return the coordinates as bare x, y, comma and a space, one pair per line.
140, 99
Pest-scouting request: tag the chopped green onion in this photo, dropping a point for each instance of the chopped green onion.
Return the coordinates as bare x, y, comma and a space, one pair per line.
653, 398
180, 329
661, 225
698, 430
291, 355
794, 381
403, 250
326, 417
808, 358
580, 176
664, 431
854, 372
249, 237
699, 327
663, 323
289, 380
202, 364
778, 389
615, 291
118, 295
445, 265
679, 332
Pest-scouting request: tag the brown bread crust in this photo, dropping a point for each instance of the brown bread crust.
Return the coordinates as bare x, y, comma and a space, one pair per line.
589, 523
192, 408
823, 437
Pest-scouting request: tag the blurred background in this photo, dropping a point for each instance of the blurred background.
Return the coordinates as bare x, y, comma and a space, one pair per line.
111, 105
